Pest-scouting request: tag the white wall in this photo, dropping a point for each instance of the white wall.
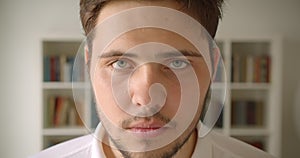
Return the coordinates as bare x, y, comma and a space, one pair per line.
24, 23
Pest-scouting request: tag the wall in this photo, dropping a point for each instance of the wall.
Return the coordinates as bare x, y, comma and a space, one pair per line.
24, 23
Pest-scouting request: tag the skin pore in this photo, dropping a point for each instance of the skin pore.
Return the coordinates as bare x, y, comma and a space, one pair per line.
142, 78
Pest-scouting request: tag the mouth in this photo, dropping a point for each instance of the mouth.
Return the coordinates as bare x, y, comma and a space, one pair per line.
147, 129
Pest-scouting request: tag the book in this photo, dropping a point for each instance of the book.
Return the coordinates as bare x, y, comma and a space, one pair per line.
63, 118
250, 68
243, 68
47, 77
258, 144
61, 112
251, 112
62, 62
50, 111
67, 68
247, 113
70, 65
268, 67
259, 113
219, 123
264, 69
58, 111
238, 114
60, 69
236, 68
52, 69
72, 114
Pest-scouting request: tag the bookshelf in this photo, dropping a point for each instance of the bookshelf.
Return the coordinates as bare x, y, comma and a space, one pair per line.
252, 112
259, 94
61, 120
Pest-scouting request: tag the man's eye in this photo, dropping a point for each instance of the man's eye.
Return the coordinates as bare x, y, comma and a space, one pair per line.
121, 64
178, 64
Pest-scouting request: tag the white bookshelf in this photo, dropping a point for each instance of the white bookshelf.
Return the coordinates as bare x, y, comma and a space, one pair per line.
52, 134
269, 132
269, 92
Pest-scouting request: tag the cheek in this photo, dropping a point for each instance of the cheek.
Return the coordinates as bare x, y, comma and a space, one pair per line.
172, 101
105, 98
204, 80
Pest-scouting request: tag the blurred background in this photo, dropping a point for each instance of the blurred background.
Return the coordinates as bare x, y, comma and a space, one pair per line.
25, 24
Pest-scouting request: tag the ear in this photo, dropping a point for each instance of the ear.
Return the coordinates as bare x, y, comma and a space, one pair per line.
87, 58
86, 55
216, 61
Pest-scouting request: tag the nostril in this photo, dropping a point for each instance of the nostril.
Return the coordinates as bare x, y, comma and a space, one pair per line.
138, 104
148, 101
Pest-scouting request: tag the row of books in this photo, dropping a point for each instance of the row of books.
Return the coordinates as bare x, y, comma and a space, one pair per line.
59, 68
61, 112
51, 141
247, 112
256, 142
219, 123
250, 68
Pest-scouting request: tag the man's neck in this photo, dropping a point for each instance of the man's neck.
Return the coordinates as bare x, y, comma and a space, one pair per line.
186, 150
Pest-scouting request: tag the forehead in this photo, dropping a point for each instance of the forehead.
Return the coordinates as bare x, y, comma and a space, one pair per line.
151, 24
149, 35
116, 6
139, 36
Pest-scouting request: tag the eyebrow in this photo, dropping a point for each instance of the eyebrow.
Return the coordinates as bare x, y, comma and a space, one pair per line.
118, 53
180, 53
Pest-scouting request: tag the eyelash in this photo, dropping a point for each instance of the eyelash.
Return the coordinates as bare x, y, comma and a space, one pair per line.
184, 61
167, 66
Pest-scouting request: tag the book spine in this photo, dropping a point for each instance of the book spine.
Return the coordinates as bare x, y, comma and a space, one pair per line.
257, 71
247, 112
243, 69
264, 71
70, 61
251, 115
268, 58
50, 111
52, 68
250, 69
57, 68
47, 77
236, 68
58, 110
61, 112
62, 62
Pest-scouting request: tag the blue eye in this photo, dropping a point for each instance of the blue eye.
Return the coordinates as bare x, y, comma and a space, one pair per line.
178, 64
121, 64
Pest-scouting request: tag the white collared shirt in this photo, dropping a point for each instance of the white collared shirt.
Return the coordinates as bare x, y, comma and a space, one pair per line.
213, 145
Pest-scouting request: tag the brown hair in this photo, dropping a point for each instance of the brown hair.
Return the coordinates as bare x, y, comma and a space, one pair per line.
208, 12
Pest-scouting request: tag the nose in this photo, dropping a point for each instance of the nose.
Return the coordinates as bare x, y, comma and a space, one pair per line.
141, 81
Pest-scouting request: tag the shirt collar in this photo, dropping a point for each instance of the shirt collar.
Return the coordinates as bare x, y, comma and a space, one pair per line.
97, 148
203, 148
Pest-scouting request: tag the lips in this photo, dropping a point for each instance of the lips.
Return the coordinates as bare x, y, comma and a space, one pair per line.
147, 129
142, 129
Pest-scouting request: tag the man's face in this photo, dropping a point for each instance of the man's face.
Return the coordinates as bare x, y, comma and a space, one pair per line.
144, 69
